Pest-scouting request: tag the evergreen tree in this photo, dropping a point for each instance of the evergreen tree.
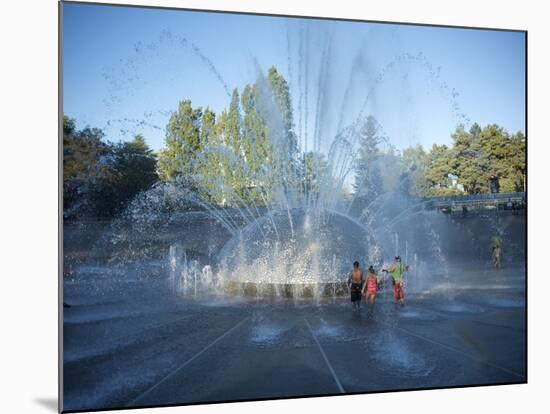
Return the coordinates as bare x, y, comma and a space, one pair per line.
368, 180
286, 147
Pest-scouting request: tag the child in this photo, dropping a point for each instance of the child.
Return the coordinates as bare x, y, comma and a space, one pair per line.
397, 270
355, 283
496, 243
371, 287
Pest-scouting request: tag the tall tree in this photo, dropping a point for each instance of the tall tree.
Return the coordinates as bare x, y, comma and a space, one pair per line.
368, 179
182, 142
470, 163
211, 165
416, 164
314, 173
517, 161
439, 164
506, 156
229, 127
286, 149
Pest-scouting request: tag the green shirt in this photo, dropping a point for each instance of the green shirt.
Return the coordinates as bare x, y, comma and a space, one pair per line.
496, 241
397, 274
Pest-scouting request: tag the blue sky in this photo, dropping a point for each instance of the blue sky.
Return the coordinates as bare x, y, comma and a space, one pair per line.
126, 68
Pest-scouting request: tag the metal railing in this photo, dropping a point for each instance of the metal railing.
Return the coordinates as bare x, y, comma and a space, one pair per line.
477, 199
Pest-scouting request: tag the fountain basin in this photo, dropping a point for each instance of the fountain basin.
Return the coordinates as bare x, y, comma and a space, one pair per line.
286, 290
306, 248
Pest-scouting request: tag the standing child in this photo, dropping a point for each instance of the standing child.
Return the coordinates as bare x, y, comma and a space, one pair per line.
355, 283
397, 270
371, 287
496, 250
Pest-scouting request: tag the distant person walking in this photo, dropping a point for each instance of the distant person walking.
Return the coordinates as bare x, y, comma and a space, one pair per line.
370, 287
397, 270
496, 250
355, 284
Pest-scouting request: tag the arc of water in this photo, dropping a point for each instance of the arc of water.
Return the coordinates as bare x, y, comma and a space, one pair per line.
226, 221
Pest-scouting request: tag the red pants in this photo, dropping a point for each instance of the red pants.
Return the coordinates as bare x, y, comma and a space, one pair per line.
398, 293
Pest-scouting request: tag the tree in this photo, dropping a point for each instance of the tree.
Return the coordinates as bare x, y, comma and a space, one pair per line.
101, 178
281, 96
476, 156
469, 160
314, 173
506, 156
230, 128
256, 145
517, 161
286, 147
416, 162
368, 179
182, 142
129, 170
81, 153
244, 153
211, 165
438, 166
269, 144
232, 124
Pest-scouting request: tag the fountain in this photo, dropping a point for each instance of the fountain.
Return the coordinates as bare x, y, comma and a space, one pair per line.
208, 278
306, 251
286, 238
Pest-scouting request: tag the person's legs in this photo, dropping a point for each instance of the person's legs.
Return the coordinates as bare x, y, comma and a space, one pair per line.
355, 296
496, 257
401, 294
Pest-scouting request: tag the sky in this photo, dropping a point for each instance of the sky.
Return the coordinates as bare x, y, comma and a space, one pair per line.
125, 69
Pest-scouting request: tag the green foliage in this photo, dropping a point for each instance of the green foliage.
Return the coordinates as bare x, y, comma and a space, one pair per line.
482, 153
416, 162
505, 156
248, 154
129, 169
314, 171
183, 141
243, 155
81, 149
368, 177
475, 156
257, 147
81, 153
469, 160
100, 178
437, 169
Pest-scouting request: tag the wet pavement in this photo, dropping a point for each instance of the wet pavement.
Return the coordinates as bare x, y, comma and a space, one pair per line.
129, 349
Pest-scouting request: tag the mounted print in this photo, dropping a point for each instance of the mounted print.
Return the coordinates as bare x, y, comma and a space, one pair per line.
258, 207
